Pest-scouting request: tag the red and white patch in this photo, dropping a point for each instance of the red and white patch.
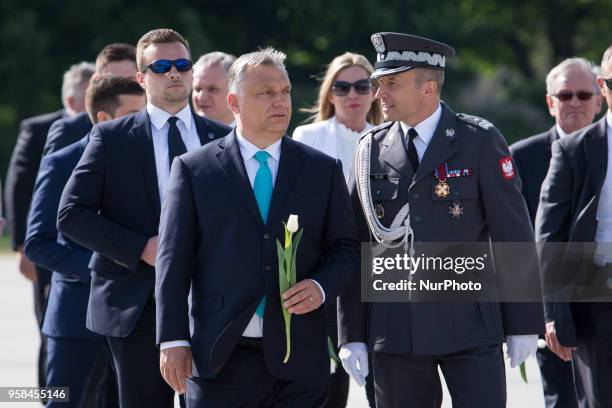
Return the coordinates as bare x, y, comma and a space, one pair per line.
507, 168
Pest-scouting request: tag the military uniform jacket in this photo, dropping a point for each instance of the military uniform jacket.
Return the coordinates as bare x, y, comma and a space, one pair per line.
493, 209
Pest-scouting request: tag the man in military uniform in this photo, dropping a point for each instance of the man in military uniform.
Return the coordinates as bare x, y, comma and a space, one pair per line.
455, 173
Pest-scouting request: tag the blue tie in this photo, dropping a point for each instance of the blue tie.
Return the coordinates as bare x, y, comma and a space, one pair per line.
262, 187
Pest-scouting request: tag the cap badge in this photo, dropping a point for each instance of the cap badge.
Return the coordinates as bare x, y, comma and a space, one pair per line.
378, 42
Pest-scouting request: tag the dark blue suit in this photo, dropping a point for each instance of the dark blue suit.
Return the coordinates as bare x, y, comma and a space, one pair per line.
111, 205
532, 158
72, 350
568, 213
18, 189
66, 131
213, 239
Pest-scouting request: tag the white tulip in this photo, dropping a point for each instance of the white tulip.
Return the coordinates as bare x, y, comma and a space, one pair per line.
292, 223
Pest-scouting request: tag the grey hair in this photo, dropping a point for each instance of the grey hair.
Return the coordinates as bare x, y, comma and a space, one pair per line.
423, 75
267, 56
580, 63
74, 79
215, 58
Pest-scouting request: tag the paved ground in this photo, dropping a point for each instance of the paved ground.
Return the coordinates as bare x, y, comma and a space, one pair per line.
19, 342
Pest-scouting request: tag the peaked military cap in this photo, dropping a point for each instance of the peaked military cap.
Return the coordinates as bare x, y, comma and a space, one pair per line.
398, 52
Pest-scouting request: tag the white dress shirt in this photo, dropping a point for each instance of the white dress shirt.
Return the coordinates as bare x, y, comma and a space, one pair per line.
248, 150
333, 139
425, 129
159, 133
603, 234
560, 132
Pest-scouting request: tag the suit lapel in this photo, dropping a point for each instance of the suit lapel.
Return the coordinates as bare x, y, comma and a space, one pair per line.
204, 133
231, 161
143, 141
596, 150
440, 148
288, 168
552, 135
394, 152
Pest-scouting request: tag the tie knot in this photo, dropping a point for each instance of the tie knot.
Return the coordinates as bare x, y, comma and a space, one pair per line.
412, 134
262, 157
172, 120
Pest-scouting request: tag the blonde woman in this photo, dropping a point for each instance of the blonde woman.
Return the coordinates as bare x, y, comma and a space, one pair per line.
346, 107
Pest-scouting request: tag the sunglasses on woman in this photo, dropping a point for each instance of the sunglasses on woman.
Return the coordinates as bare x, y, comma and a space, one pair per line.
163, 65
342, 88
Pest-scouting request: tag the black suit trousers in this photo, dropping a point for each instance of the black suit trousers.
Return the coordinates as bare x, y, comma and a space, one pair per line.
244, 381
592, 364
136, 359
476, 378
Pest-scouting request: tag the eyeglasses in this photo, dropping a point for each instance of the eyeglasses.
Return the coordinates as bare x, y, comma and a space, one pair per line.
568, 95
342, 88
608, 82
163, 65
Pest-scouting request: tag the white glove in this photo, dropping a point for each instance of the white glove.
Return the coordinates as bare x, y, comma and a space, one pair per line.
520, 347
354, 357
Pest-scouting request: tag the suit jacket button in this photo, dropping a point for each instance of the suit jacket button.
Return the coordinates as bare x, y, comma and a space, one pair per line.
416, 218
268, 268
415, 196
267, 236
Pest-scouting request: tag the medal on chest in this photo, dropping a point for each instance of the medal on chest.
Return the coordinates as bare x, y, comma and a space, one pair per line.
456, 210
442, 189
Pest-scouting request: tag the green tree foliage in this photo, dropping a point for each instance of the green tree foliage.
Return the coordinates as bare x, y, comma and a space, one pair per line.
504, 48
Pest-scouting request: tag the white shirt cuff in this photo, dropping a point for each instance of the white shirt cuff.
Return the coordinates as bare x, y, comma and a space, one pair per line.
176, 343
321, 289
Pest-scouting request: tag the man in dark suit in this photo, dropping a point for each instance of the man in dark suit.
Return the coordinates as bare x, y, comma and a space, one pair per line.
72, 350
576, 208
223, 214
111, 205
435, 176
573, 100
20, 179
114, 59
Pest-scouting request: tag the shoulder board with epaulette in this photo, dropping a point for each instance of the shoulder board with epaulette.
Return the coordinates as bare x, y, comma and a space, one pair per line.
475, 120
376, 129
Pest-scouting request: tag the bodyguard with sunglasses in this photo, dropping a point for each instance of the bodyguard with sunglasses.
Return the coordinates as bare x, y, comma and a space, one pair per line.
573, 100
576, 206
112, 204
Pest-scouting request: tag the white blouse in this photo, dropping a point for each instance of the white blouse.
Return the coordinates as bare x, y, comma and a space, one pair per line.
333, 139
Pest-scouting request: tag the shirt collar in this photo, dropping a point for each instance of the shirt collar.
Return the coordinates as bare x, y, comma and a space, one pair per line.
159, 117
248, 149
560, 132
609, 119
426, 128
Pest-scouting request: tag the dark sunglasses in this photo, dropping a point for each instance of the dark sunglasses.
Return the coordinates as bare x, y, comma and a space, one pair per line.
342, 88
608, 82
163, 65
568, 95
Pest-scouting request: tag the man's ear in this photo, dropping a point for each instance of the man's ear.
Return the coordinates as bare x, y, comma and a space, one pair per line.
140, 78
551, 107
232, 102
103, 116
